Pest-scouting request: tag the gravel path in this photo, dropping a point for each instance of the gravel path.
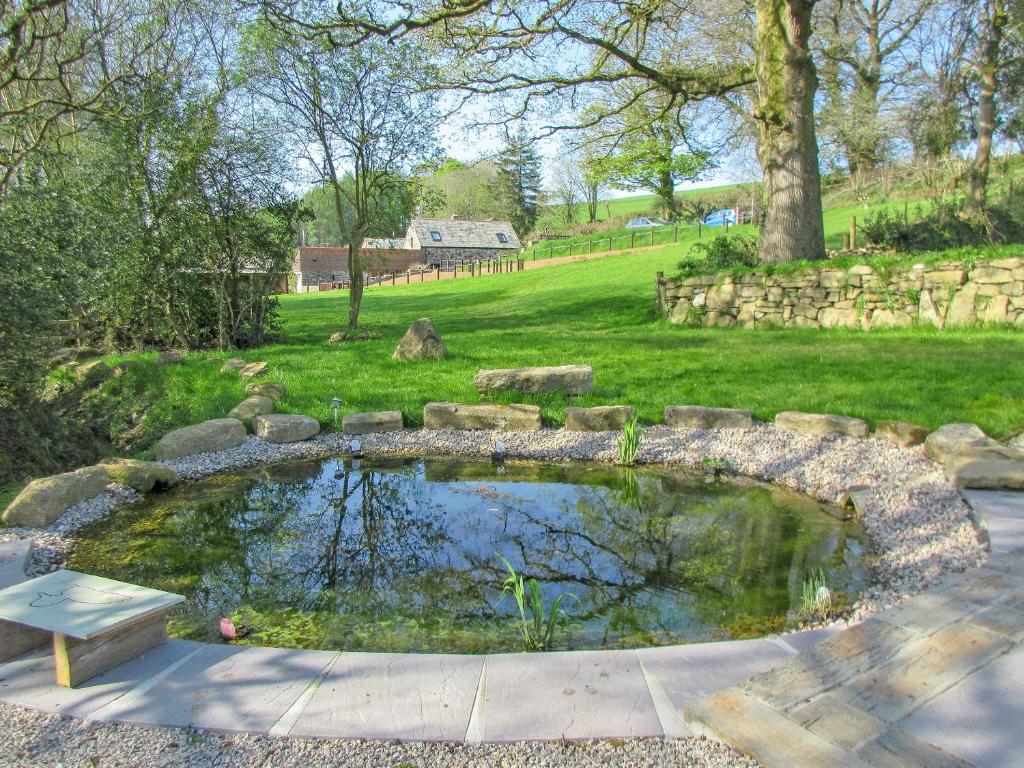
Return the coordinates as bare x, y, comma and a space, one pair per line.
31, 739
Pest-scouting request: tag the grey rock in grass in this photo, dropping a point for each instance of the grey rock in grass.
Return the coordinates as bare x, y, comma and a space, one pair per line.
570, 379
272, 389
421, 342
901, 433
43, 501
484, 416
954, 438
701, 417
251, 407
171, 357
285, 427
603, 418
252, 370
821, 424
94, 373
233, 364
986, 467
365, 423
143, 476
212, 435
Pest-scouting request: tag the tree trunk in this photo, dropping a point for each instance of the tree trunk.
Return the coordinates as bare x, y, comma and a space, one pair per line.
355, 277
667, 193
787, 143
993, 21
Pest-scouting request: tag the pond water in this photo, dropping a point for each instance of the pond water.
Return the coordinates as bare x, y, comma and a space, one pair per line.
403, 555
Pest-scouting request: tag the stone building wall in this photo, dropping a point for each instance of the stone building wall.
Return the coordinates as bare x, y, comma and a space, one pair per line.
948, 293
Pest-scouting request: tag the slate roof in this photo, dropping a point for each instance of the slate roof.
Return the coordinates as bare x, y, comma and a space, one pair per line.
457, 233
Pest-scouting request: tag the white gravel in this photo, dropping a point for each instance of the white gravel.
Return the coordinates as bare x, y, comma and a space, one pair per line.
32, 739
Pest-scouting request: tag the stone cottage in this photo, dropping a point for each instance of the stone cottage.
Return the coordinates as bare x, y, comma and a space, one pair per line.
430, 242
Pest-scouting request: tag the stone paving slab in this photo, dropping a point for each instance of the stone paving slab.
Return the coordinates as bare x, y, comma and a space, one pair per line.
421, 697
572, 695
223, 688
691, 672
29, 680
13, 557
981, 718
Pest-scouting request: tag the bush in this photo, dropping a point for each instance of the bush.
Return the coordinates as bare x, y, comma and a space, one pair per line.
942, 227
720, 254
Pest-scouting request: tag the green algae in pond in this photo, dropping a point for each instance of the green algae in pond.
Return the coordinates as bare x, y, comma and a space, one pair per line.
402, 555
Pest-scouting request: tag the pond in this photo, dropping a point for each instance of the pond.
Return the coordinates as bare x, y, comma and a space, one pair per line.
403, 554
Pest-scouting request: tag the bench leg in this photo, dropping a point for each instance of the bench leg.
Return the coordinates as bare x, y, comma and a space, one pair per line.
79, 660
16, 639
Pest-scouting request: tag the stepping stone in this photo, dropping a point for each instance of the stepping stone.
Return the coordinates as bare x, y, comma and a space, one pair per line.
251, 407
252, 370
44, 500
986, 467
365, 423
414, 697
285, 427
484, 416
566, 696
603, 418
233, 364
700, 417
570, 379
954, 438
212, 435
272, 389
900, 433
821, 424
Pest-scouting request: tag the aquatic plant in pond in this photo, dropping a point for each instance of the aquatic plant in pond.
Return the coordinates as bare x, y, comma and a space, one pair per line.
629, 442
403, 555
816, 597
538, 631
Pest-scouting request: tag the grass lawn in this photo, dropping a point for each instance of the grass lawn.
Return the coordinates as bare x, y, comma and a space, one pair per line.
602, 312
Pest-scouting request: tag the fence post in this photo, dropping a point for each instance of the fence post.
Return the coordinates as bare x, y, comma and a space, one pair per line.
853, 232
632, 240
661, 293
422, 273
408, 276
700, 224
394, 276
570, 249
846, 241
652, 235
590, 246
609, 243
675, 233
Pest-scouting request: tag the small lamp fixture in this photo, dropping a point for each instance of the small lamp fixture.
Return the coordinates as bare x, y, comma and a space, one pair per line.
335, 405
357, 448
498, 454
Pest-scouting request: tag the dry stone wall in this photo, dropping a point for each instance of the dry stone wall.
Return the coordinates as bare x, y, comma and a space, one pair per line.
941, 294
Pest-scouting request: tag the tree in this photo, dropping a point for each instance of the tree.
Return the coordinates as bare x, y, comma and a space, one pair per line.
518, 182
688, 52
465, 190
993, 20
360, 119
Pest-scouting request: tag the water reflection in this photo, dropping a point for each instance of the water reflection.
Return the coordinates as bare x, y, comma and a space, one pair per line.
402, 554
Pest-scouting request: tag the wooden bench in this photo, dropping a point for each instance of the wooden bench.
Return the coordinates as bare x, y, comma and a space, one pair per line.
95, 623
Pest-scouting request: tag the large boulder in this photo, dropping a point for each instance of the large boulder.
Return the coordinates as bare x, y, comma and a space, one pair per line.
484, 416
43, 501
570, 379
251, 407
285, 427
955, 438
143, 476
821, 424
365, 423
272, 389
603, 418
701, 417
986, 466
901, 433
212, 435
421, 342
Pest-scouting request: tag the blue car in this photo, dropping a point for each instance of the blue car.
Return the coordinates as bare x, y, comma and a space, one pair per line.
720, 218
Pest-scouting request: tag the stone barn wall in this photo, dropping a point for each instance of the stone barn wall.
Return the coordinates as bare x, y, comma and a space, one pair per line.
948, 293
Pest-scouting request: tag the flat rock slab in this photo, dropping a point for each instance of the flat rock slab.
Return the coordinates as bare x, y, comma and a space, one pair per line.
954, 438
224, 688
251, 407
484, 416
14, 556
272, 389
570, 379
285, 427
566, 695
603, 418
212, 435
690, 672
700, 417
821, 424
233, 364
900, 433
252, 370
44, 500
366, 423
980, 718
414, 697
986, 467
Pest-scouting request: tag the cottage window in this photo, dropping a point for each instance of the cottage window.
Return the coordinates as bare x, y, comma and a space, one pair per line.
435, 236
502, 237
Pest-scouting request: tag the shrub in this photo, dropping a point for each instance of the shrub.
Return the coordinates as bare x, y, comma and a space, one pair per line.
943, 226
721, 253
